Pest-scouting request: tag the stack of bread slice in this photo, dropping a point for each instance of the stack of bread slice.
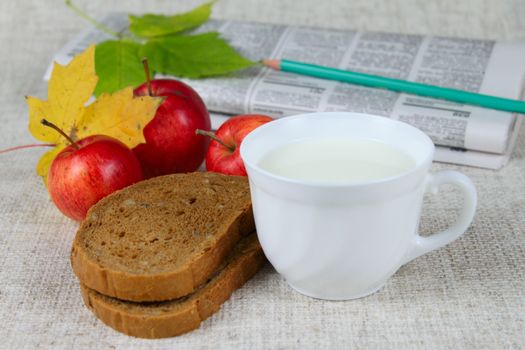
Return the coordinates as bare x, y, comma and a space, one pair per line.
157, 258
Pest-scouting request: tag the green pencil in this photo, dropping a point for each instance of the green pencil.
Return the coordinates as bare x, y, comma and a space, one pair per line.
502, 104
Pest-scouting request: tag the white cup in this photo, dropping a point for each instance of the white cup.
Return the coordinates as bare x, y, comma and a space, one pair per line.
337, 241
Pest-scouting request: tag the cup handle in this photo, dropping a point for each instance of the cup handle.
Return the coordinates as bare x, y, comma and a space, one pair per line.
422, 245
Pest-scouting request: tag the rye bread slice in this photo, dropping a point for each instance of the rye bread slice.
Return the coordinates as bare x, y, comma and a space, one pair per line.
162, 238
175, 317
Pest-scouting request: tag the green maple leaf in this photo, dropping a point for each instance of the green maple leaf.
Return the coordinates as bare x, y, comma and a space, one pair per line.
193, 56
118, 65
118, 62
150, 25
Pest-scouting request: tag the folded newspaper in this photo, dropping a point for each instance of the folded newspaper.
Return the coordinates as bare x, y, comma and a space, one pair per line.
463, 134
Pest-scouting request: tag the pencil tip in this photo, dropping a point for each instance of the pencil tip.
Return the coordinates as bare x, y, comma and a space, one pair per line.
274, 64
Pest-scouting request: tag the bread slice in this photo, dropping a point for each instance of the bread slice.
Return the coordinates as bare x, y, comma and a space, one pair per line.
162, 238
171, 318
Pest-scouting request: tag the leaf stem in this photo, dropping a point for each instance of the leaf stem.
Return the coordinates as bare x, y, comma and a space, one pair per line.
27, 146
214, 137
53, 126
91, 20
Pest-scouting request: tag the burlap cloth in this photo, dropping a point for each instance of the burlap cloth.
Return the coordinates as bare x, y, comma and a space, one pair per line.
467, 295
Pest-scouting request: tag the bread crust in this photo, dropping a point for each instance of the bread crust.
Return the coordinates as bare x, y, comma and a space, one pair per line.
161, 286
161, 320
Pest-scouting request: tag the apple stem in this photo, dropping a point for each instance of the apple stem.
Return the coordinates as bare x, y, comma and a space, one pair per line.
212, 135
148, 75
53, 126
27, 146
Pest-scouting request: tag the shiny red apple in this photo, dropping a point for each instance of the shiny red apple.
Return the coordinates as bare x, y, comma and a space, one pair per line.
171, 144
223, 153
88, 170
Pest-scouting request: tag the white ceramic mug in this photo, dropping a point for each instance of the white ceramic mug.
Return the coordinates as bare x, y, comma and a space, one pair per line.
337, 241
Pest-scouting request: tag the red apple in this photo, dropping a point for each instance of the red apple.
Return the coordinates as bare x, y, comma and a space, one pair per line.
223, 153
87, 171
171, 144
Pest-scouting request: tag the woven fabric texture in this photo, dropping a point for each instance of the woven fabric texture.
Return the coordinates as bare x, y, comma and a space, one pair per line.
469, 295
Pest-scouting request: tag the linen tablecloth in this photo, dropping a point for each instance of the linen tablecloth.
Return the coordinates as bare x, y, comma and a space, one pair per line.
469, 295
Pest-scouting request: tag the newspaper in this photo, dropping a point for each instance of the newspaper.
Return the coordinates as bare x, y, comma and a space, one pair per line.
464, 134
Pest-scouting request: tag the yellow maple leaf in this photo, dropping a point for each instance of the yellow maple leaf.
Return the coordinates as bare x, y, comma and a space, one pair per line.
45, 161
69, 89
119, 115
